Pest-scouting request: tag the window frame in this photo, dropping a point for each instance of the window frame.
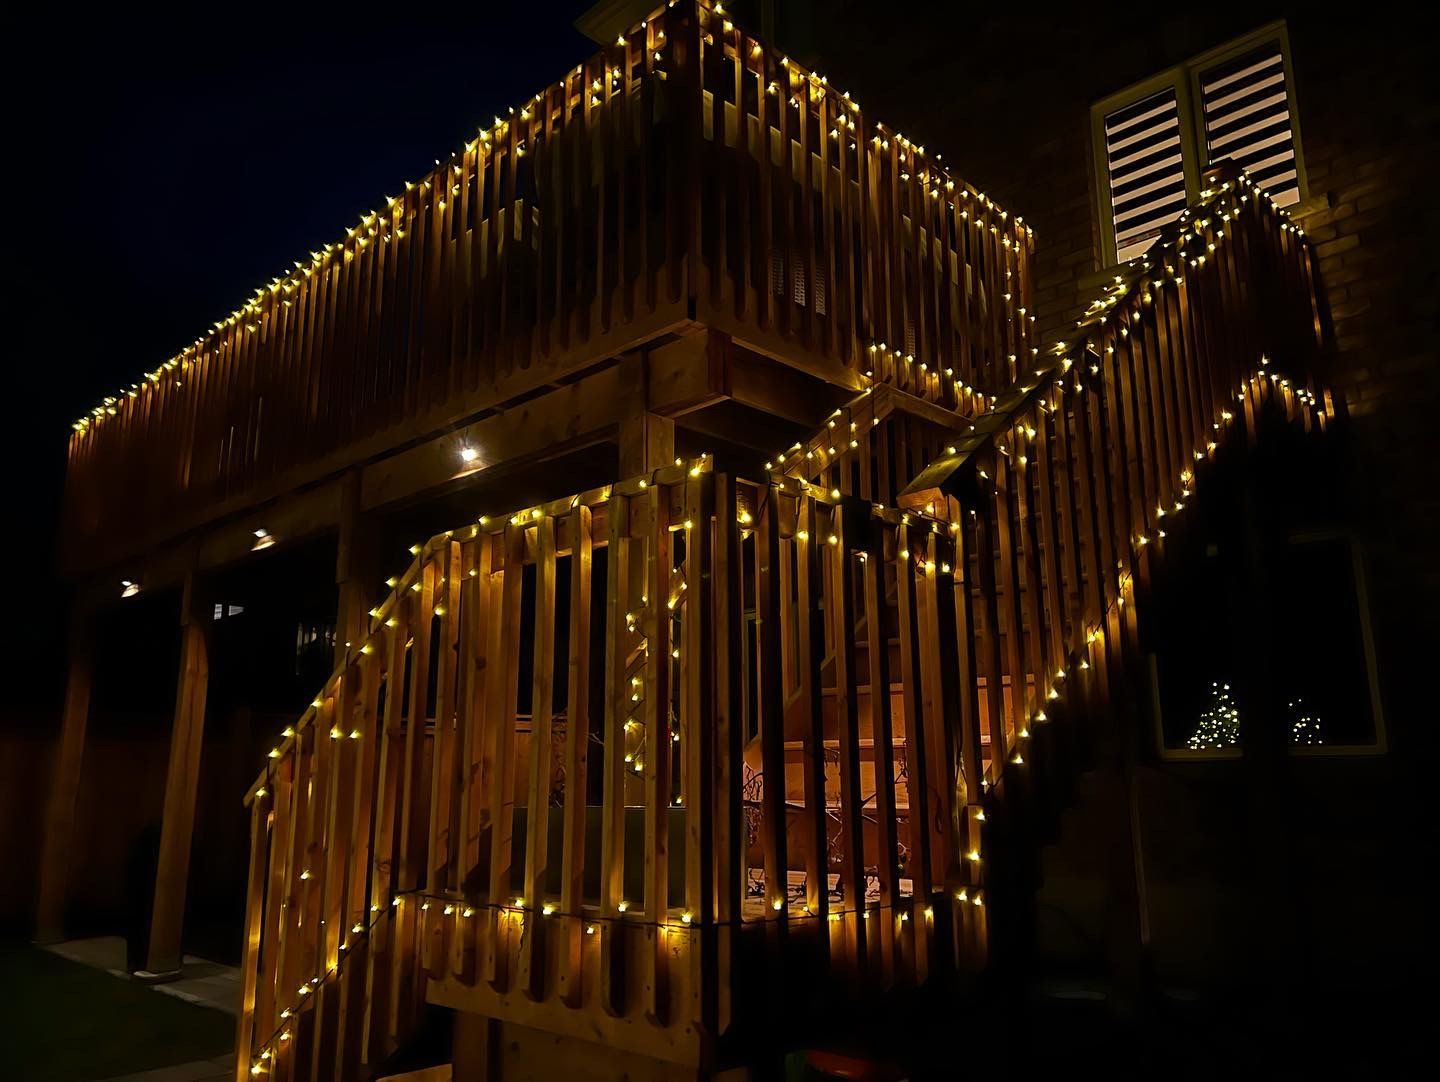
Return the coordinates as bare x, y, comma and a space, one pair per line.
1376, 747
1184, 78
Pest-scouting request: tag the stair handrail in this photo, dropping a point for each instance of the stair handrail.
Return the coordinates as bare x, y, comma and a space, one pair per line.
1235, 228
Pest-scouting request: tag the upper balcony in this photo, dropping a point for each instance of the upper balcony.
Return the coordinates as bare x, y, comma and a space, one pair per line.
686, 176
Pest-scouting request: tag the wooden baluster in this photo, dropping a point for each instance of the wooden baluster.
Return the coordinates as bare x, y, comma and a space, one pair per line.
478, 601
620, 641
290, 971
771, 707
577, 750
696, 758
882, 735
810, 708
1118, 412
989, 653
383, 917
664, 596
497, 773
440, 849
332, 859
313, 861
1172, 311
1056, 548
1053, 540
932, 796
245, 1031
350, 1024
1012, 627
912, 577
1043, 661
413, 811
841, 605
728, 683
542, 711
1069, 545
1050, 774
764, 295
970, 785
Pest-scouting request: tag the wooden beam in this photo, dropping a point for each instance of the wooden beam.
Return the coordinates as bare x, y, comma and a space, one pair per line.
758, 381
690, 372
562, 419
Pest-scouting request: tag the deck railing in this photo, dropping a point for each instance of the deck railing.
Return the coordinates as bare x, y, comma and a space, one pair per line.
630, 765
686, 173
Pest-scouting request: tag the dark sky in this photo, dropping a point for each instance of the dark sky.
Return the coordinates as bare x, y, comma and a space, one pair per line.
159, 168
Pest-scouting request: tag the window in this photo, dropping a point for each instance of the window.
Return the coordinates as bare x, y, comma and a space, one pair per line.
1323, 651
1145, 164
1321, 655
1153, 140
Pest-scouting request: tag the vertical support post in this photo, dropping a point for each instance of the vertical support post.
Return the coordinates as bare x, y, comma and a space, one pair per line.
354, 570
647, 440
65, 781
181, 779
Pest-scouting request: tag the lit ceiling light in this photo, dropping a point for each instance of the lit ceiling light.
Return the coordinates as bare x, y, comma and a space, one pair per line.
468, 455
128, 588
263, 540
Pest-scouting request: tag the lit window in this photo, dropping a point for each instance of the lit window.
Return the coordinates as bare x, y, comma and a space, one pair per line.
1248, 113
1145, 164
1154, 140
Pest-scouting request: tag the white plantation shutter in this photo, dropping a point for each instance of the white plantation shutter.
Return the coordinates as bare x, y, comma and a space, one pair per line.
1246, 107
1146, 165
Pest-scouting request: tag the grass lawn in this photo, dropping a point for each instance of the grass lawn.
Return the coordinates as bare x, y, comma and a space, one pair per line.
64, 1021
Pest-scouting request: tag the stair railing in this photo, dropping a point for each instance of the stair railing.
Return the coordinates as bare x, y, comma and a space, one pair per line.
1062, 497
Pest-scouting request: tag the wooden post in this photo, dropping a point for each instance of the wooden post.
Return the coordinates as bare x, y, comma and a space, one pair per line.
354, 571
181, 779
65, 782
647, 440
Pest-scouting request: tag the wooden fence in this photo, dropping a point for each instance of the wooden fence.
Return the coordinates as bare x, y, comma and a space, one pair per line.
687, 172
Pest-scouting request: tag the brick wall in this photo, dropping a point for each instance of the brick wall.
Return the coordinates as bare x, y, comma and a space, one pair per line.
1370, 116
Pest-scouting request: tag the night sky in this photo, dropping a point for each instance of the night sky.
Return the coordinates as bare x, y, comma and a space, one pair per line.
159, 169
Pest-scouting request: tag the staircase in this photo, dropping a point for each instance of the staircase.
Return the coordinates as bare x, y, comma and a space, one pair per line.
616, 768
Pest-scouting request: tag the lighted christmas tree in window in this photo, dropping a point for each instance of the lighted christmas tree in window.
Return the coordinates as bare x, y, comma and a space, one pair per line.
1307, 728
1219, 724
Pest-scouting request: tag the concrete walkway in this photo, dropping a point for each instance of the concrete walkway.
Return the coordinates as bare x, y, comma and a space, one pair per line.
204, 983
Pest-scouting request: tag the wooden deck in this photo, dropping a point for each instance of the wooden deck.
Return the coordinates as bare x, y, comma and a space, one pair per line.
724, 814
685, 175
